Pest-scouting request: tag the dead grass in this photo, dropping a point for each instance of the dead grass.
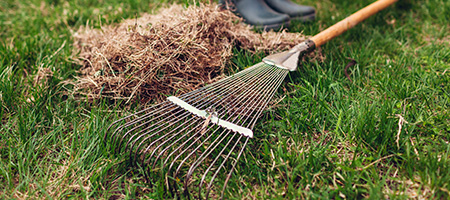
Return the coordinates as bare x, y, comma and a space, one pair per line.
175, 51
412, 189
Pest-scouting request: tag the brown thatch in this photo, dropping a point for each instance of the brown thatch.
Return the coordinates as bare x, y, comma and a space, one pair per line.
175, 51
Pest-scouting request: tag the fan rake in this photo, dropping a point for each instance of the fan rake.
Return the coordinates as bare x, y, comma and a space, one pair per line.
199, 131
193, 139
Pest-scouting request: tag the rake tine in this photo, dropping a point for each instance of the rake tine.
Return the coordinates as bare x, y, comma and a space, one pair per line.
181, 153
237, 101
208, 189
243, 88
193, 151
232, 169
184, 143
119, 128
135, 121
221, 165
158, 124
185, 115
276, 82
247, 73
134, 114
261, 102
175, 142
222, 85
165, 141
232, 85
172, 120
272, 93
203, 156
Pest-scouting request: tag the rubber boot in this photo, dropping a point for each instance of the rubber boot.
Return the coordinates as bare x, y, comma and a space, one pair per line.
258, 14
295, 11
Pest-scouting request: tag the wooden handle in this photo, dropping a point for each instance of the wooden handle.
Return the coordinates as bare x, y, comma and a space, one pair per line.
350, 21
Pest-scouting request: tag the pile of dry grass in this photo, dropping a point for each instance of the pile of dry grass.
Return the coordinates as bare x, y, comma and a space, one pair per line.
175, 51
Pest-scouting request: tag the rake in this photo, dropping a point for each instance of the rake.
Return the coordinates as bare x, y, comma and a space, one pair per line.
192, 139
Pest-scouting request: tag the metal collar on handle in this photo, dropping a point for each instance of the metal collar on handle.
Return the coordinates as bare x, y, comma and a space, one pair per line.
289, 59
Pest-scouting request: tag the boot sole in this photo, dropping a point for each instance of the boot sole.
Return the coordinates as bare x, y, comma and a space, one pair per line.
305, 18
274, 27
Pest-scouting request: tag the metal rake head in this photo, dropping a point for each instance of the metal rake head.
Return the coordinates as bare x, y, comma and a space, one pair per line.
199, 136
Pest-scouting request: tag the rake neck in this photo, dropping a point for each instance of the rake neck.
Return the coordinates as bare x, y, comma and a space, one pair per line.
289, 59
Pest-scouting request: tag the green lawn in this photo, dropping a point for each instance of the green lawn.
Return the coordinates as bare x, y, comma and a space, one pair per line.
383, 132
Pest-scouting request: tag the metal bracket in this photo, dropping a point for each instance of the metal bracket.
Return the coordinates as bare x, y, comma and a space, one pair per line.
289, 59
214, 119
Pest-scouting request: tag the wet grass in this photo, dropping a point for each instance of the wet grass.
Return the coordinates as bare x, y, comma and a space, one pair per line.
380, 132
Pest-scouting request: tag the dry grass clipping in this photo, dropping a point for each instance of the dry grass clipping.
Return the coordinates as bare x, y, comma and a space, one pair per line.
173, 52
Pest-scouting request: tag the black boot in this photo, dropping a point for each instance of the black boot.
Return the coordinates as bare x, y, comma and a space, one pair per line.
259, 14
295, 11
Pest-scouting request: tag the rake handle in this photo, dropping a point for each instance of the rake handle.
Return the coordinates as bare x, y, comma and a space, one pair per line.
350, 21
